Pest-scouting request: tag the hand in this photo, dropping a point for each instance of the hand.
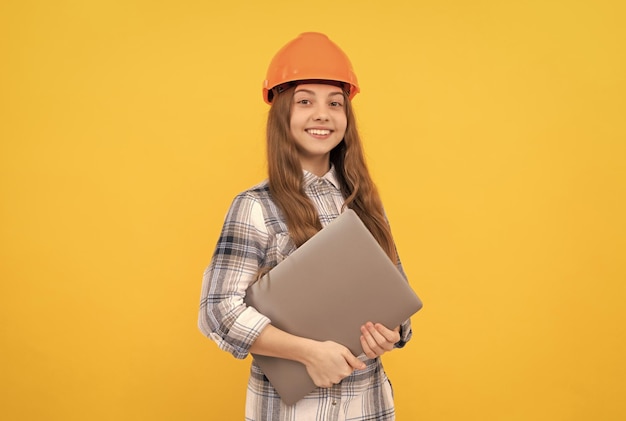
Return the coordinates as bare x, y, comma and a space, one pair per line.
329, 362
376, 339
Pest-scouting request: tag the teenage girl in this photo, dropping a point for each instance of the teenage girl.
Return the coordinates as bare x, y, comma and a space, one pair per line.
316, 170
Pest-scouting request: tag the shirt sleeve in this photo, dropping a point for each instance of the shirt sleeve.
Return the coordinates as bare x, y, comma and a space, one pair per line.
240, 251
406, 332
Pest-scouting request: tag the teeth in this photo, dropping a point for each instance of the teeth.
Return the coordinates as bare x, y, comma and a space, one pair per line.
318, 132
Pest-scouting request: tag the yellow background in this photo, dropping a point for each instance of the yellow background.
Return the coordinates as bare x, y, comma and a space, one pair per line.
495, 131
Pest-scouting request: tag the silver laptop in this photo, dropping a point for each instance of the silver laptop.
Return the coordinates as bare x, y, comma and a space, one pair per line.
325, 290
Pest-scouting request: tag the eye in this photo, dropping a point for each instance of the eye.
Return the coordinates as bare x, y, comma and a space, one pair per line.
336, 104
303, 101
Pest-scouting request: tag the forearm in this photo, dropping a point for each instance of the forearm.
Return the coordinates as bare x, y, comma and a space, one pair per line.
326, 362
273, 342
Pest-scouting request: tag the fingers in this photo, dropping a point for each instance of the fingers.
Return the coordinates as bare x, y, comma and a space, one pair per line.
392, 336
331, 364
366, 349
373, 343
377, 339
354, 362
379, 336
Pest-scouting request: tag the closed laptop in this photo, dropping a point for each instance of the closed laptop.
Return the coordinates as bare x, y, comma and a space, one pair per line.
325, 290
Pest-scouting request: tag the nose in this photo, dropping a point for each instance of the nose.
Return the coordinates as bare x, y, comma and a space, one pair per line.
321, 113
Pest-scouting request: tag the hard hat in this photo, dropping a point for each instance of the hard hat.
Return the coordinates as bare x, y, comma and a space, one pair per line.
311, 56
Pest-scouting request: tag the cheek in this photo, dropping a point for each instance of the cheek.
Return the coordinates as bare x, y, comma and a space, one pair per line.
343, 125
295, 121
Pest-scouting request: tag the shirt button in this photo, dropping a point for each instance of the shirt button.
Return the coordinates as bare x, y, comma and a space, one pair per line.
334, 402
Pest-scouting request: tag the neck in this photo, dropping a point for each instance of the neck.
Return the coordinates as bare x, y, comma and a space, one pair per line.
319, 167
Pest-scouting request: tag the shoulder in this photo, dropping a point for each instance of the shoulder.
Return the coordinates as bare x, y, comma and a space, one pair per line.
256, 205
254, 197
257, 192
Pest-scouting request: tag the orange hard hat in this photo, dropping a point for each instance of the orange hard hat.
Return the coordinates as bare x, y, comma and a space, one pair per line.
311, 56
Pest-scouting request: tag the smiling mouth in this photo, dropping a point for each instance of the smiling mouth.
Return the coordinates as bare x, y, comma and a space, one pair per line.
318, 132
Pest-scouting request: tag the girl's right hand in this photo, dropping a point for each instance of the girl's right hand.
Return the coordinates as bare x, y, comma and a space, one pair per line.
329, 362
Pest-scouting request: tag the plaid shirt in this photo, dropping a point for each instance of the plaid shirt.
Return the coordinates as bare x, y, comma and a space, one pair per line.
255, 235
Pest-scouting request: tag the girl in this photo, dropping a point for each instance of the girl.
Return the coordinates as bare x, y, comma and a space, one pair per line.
316, 170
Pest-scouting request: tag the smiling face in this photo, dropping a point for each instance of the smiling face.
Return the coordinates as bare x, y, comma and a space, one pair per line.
318, 124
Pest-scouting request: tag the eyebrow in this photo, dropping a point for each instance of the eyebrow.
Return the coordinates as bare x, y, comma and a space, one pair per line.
313, 93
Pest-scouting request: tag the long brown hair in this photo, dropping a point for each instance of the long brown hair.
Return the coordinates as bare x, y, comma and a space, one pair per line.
286, 177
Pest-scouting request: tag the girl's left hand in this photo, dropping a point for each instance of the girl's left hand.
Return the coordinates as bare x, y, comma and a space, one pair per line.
376, 339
